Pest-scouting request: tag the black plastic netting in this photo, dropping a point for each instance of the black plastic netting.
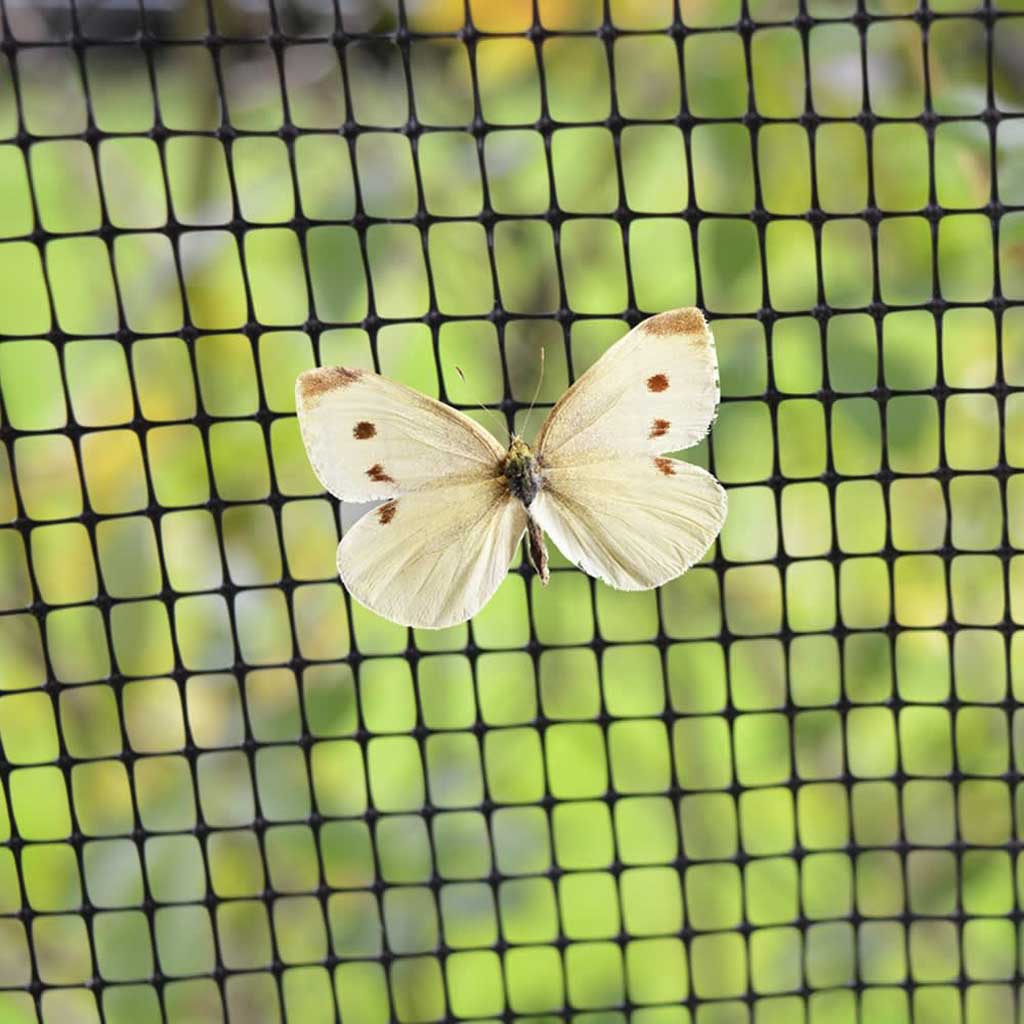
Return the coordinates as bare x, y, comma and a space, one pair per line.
783, 788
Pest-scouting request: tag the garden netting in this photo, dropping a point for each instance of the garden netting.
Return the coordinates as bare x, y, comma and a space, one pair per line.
782, 789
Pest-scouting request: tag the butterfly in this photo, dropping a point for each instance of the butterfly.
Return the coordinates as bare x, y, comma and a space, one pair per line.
457, 503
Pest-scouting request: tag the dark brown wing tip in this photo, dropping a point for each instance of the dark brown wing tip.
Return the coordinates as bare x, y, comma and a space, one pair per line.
314, 383
676, 321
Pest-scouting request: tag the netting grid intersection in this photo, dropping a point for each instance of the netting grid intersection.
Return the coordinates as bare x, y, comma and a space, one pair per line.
227, 790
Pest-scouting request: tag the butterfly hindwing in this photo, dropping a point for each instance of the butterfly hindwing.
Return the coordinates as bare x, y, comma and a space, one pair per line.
434, 557
634, 522
653, 391
368, 437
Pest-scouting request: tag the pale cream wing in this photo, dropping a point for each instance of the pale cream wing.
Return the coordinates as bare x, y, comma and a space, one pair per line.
434, 557
368, 437
653, 391
633, 522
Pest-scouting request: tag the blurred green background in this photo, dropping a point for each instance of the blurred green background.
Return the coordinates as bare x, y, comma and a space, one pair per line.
783, 788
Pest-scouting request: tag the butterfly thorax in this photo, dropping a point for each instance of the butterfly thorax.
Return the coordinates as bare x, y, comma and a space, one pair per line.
522, 472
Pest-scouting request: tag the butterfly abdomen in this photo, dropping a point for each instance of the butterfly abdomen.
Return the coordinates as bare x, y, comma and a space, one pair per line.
522, 472
536, 550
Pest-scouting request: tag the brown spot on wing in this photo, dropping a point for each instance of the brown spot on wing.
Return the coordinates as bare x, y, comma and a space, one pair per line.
386, 512
364, 429
676, 321
659, 428
377, 475
314, 383
665, 466
659, 382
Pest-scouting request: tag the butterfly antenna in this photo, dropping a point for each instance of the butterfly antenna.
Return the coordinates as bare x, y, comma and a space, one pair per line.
490, 412
536, 392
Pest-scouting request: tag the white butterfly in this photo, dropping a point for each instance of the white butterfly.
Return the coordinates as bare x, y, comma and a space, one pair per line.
596, 479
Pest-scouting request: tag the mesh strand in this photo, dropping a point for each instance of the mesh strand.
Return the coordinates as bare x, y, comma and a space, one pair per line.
783, 788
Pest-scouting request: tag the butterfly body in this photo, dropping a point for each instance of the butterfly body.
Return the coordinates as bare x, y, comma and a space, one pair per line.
597, 479
524, 477
522, 472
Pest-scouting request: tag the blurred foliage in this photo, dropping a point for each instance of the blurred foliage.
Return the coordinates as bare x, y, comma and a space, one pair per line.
180, 701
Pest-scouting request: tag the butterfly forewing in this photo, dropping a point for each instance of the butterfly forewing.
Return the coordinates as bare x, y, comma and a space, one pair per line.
633, 522
653, 391
434, 557
368, 437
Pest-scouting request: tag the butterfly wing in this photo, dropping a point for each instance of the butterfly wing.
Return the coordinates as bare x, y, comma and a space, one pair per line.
634, 522
653, 391
368, 437
434, 557
609, 501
